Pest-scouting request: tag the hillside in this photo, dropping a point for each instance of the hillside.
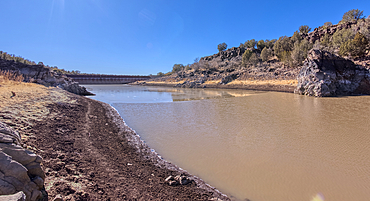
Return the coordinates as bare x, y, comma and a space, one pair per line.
276, 64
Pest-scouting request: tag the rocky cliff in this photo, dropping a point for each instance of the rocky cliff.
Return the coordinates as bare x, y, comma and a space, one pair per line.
20, 169
326, 74
43, 75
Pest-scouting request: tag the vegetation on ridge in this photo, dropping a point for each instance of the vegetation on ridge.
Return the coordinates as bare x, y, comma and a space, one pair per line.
349, 38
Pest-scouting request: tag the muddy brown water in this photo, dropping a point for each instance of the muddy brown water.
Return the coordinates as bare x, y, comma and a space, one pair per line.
264, 146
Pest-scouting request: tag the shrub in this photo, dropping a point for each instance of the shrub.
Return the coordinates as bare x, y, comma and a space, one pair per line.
177, 68
300, 51
284, 44
304, 29
250, 44
266, 54
254, 59
285, 57
221, 47
342, 36
353, 14
270, 43
325, 41
328, 24
355, 47
296, 37
246, 56
260, 45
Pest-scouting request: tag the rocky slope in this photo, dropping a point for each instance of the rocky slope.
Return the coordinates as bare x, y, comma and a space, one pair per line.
42, 75
323, 73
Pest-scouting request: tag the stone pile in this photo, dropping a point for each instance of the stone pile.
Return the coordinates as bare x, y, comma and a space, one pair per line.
20, 169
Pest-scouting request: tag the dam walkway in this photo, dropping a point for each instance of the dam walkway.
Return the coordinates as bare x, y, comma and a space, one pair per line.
107, 79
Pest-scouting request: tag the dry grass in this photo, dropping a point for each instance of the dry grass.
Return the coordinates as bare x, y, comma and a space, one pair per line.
22, 103
7, 76
264, 82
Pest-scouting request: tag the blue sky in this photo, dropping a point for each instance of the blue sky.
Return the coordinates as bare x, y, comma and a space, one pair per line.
141, 37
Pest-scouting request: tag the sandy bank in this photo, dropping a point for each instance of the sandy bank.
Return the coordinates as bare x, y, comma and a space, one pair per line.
88, 151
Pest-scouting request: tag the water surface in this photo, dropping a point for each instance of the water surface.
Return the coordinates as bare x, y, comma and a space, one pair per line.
257, 145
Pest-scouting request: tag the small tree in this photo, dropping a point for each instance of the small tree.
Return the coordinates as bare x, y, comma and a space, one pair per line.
177, 68
304, 29
296, 37
284, 44
250, 44
246, 55
266, 54
327, 24
355, 47
260, 45
270, 43
300, 51
354, 14
221, 47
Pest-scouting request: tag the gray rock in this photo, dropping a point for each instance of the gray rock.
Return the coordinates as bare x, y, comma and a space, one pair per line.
20, 196
179, 179
325, 74
20, 169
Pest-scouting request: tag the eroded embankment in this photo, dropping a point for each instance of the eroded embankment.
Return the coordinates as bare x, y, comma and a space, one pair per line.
88, 152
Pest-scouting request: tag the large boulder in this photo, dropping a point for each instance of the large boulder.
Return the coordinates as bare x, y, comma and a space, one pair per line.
325, 74
20, 169
43, 75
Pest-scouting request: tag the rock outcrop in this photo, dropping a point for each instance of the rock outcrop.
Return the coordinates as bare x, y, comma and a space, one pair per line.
20, 169
43, 75
320, 32
228, 54
325, 74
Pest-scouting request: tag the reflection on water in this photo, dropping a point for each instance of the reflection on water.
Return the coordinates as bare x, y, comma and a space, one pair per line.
261, 146
139, 94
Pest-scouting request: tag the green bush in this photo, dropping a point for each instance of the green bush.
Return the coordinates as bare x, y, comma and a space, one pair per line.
246, 56
270, 43
325, 41
177, 68
221, 47
266, 54
260, 45
285, 57
342, 36
300, 51
354, 14
284, 44
250, 44
355, 47
296, 37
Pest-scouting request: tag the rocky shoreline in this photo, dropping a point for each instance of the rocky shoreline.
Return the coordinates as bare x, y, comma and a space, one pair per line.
89, 153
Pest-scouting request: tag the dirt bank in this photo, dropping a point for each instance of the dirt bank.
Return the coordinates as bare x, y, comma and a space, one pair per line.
88, 152
259, 85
